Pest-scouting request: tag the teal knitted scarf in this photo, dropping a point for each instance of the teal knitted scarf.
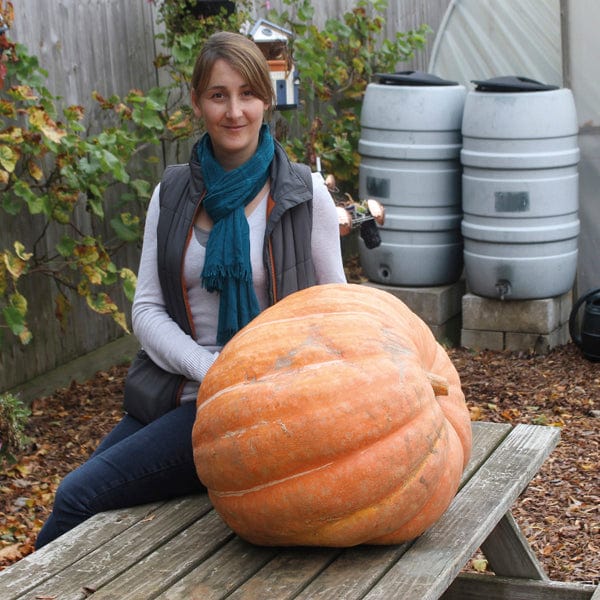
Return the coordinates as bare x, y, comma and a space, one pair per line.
227, 268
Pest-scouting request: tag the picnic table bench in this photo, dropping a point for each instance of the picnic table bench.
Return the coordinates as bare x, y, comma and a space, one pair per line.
182, 550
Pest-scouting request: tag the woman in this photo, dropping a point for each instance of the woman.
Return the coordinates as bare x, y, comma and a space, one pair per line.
252, 228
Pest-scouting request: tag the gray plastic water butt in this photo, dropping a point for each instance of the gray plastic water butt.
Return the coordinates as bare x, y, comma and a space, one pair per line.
520, 191
410, 161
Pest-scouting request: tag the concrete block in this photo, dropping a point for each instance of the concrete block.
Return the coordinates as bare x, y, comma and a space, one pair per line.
566, 304
536, 343
541, 316
448, 333
482, 340
435, 305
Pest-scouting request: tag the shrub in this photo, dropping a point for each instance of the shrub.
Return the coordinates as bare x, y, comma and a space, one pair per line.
13, 419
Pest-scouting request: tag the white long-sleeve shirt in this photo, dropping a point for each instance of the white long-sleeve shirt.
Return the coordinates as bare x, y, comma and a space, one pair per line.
162, 338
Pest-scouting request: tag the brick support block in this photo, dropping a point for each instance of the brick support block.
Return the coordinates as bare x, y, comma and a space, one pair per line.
439, 306
523, 316
516, 325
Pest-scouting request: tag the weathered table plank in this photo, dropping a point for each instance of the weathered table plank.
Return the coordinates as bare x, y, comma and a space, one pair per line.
171, 562
119, 553
224, 571
43, 564
428, 568
287, 574
354, 573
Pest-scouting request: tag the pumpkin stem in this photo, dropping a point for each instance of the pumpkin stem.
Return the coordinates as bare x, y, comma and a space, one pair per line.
439, 384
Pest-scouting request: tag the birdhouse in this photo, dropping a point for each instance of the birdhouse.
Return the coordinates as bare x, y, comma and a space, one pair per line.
273, 41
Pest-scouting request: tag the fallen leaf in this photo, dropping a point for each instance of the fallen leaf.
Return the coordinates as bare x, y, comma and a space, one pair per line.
11, 552
480, 564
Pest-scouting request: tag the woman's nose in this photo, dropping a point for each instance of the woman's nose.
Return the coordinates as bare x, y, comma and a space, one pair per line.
234, 109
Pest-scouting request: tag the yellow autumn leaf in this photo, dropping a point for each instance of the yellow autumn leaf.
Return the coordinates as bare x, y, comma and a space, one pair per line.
93, 274
24, 92
39, 118
86, 255
20, 251
8, 158
35, 171
587, 466
120, 319
4, 177
12, 135
19, 302
480, 564
15, 266
25, 336
101, 304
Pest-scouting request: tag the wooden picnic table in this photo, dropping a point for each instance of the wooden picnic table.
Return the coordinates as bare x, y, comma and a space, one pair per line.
182, 550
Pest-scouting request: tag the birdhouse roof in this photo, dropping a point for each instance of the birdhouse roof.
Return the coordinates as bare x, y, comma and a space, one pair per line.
265, 31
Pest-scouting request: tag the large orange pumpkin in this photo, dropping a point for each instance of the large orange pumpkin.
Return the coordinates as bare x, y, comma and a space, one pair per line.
319, 422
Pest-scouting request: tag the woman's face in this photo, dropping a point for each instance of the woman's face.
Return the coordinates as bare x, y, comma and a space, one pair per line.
232, 113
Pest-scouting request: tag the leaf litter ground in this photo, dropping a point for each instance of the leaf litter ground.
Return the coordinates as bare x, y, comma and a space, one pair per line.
558, 512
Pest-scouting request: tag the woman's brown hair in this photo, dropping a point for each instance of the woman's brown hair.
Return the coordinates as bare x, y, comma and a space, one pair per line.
243, 55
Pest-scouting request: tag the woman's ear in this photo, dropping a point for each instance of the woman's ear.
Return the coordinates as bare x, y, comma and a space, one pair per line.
196, 105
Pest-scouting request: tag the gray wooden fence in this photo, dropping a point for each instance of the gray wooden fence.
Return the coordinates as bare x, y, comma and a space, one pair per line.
109, 46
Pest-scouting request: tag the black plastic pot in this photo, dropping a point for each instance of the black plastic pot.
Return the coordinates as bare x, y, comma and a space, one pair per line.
587, 337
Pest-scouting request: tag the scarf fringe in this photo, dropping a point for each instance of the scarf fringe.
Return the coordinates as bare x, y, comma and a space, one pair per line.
214, 279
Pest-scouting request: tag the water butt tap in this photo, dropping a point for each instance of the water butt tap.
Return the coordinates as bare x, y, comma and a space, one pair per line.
503, 288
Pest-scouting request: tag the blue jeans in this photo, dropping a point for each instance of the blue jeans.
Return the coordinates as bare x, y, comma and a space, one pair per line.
134, 464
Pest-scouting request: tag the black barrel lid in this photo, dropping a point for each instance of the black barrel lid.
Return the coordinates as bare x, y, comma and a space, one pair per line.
512, 83
412, 78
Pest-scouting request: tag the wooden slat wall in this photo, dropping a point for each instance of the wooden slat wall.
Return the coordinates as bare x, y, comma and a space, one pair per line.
109, 46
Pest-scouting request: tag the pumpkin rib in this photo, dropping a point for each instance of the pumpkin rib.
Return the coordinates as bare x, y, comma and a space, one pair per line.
336, 463
264, 378
249, 353
436, 504
314, 433
365, 522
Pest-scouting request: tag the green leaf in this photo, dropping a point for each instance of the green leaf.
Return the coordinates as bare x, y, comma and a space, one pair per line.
113, 165
61, 214
97, 206
15, 319
66, 246
126, 228
35, 204
18, 302
129, 283
147, 116
142, 188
